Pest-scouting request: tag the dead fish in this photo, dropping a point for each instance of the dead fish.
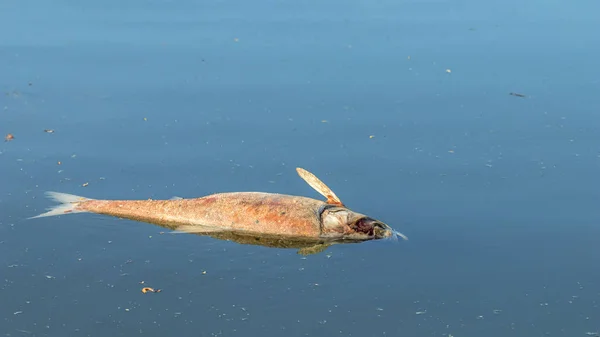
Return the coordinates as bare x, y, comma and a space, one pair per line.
234, 214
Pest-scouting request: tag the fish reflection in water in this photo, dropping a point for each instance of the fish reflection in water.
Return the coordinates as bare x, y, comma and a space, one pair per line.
303, 245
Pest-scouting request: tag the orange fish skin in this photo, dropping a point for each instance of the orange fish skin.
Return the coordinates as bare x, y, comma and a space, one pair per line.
253, 212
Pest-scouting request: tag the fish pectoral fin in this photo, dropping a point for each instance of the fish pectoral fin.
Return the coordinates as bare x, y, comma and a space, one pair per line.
319, 186
313, 249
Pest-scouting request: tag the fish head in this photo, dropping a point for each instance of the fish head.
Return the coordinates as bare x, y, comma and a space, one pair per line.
339, 221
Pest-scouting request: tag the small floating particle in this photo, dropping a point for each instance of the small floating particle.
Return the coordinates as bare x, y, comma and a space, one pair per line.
324, 121
420, 312
448, 71
236, 40
516, 94
17, 312
48, 131
145, 119
450, 151
9, 137
204, 272
371, 136
150, 290
85, 184
59, 163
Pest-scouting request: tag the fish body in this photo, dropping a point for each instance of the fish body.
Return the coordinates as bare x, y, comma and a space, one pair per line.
239, 214
252, 212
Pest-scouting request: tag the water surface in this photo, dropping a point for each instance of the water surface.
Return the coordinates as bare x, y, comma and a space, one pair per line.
402, 108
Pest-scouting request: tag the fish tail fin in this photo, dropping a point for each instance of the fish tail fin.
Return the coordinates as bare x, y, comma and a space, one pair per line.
67, 204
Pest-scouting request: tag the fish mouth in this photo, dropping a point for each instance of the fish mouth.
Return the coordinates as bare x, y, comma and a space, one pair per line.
376, 229
381, 230
372, 228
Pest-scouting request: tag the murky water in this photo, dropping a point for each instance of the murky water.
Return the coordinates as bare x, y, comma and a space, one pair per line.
402, 108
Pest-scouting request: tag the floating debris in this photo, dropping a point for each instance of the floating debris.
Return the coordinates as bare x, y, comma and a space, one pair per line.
85, 184
48, 131
517, 94
9, 137
448, 71
150, 290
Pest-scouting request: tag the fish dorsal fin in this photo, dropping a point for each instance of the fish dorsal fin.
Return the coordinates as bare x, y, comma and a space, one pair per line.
319, 186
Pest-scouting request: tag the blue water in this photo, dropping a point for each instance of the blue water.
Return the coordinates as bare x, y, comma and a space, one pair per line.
401, 107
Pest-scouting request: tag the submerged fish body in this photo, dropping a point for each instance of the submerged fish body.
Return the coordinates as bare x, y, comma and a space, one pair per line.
249, 217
